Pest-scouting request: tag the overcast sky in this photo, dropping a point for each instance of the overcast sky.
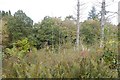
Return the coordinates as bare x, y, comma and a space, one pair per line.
38, 9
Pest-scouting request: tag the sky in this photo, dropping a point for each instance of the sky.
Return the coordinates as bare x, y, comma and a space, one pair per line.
38, 9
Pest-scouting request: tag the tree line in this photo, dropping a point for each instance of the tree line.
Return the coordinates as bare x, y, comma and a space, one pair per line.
51, 31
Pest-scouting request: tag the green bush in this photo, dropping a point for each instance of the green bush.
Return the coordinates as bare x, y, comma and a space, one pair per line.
90, 32
20, 48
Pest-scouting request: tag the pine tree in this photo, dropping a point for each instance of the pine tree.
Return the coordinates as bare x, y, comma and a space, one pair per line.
92, 14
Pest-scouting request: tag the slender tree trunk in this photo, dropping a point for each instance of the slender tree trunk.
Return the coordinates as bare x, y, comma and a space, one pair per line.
78, 25
119, 12
103, 12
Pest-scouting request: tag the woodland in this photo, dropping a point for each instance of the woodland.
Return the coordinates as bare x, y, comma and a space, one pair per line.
47, 49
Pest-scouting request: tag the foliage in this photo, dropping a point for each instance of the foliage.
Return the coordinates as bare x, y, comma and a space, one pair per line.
90, 32
53, 35
19, 26
68, 65
4, 16
20, 48
111, 45
48, 32
22, 16
69, 26
92, 14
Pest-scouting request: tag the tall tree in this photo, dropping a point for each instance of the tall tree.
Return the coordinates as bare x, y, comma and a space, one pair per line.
48, 32
19, 25
22, 16
103, 13
4, 29
90, 32
78, 25
92, 14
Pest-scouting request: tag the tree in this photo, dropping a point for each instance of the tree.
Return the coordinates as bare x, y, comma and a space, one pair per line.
103, 13
3, 13
19, 26
48, 32
22, 16
69, 26
78, 25
9, 12
4, 16
90, 32
92, 14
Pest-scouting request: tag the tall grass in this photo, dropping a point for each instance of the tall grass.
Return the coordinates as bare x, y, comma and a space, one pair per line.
67, 63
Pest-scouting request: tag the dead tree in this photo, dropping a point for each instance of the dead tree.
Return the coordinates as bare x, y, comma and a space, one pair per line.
78, 25
103, 13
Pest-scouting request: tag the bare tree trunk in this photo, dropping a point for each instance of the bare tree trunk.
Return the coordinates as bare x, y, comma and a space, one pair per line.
103, 12
119, 12
78, 25
119, 39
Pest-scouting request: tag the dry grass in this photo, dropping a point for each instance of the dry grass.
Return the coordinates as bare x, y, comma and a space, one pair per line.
67, 63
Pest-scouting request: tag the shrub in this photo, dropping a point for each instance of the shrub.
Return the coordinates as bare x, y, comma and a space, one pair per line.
20, 48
